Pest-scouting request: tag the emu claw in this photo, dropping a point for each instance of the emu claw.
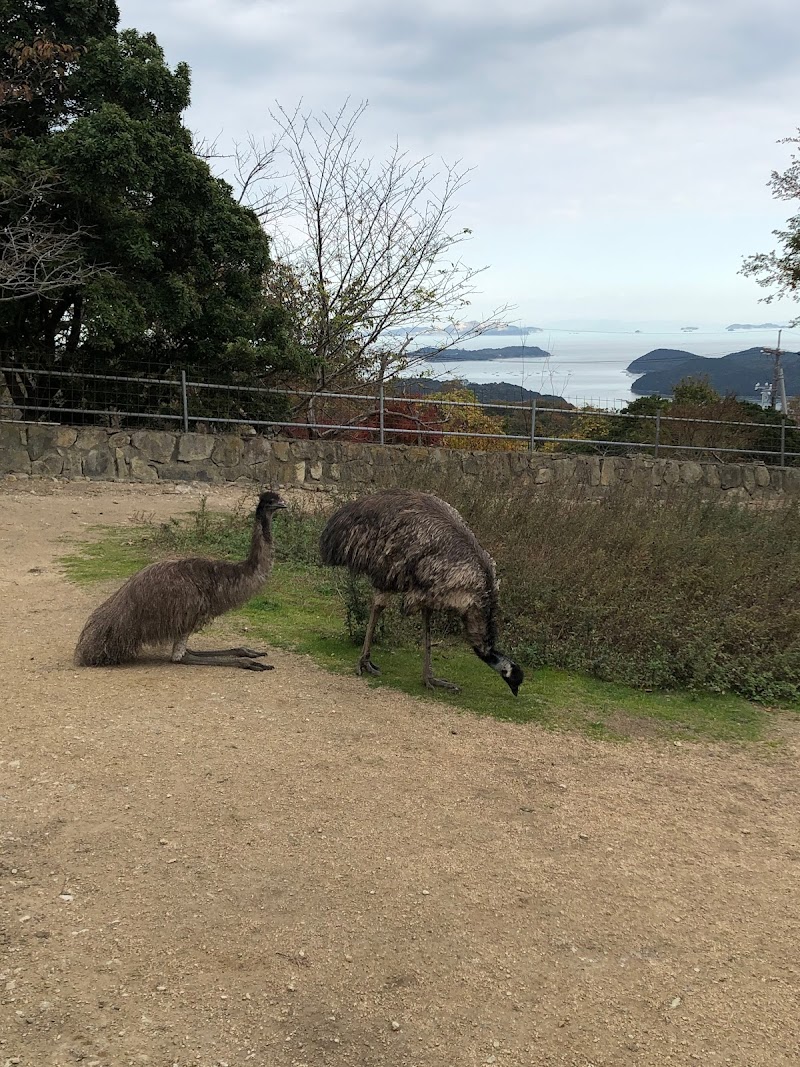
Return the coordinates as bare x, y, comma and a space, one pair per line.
251, 665
441, 683
368, 666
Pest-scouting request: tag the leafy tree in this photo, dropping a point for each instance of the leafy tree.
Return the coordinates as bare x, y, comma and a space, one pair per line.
471, 419
178, 265
780, 270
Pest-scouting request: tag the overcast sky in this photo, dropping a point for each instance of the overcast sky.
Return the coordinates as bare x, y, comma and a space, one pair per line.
621, 147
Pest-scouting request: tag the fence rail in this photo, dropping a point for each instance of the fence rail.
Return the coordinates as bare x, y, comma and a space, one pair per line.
185, 401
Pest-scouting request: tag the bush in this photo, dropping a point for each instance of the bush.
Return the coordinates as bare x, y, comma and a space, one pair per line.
647, 591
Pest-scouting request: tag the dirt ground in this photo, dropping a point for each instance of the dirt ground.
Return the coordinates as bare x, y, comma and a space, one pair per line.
210, 867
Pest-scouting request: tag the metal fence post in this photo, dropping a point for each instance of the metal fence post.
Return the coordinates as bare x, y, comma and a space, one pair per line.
658, 434
184, 402
783, 442
381, 415
533, 424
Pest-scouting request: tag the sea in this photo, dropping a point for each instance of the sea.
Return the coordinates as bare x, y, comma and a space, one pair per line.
589, 366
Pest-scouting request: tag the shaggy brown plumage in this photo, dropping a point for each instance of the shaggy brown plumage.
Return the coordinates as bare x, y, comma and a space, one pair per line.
419, 546
169, 601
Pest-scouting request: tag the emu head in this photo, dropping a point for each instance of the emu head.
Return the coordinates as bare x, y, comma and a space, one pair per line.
268, 504
511, 672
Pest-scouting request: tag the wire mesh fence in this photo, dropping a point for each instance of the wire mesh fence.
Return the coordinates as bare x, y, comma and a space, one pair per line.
161, 398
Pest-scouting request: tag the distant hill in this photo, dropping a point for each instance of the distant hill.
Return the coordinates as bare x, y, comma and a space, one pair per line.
486, 392
464, 355
658, 358
736, 373
501, 329
755, 326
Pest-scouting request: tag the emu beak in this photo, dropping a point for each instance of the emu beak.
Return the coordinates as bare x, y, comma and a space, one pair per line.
513, 687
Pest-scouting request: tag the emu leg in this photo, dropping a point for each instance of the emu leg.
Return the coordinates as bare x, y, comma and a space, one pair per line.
220, 658
428, 678
365, 663
243, 652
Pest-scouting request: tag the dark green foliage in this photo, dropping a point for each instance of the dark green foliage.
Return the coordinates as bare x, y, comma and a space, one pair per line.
184, 284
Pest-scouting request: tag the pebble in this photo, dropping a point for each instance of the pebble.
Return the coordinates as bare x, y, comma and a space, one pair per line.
426, 892
676, 1002
395, 1025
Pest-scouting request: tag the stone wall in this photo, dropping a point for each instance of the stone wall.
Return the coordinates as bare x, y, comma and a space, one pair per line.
48, 451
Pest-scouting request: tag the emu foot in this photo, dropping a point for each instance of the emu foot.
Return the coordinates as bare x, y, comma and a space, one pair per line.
252, 665
368, 666
440, 683
248, 653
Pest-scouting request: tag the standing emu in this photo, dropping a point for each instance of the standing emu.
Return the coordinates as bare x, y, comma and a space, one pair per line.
170, 601
419, 546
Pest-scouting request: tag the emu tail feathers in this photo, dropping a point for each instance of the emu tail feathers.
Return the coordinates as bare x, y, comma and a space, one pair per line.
103, 643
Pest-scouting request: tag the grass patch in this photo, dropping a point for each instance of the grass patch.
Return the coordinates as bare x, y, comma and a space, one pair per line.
310, 609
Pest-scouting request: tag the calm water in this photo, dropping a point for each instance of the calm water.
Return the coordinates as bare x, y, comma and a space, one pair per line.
590, 367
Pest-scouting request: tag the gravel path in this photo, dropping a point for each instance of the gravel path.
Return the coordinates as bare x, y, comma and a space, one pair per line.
206, 866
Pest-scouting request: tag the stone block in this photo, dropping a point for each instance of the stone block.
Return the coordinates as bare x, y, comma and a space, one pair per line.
49, 466
791, 480
65, 436
608, 471
315, 470
730, 476
587, 470
334, 472
120, 464
193, 447
15, 460
280, 449
298, 472
761, 475
12, 435
258, 450
119, 440
140, 471
41, 440
543, 476
228, 451
155, 445
183, 472
748, 479
99, 463
90, 438
711, 476
691, 473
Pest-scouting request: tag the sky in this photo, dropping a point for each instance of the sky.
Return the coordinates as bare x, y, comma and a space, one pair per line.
620, 149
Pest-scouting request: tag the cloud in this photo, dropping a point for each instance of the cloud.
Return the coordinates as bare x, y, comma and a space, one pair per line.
590, 122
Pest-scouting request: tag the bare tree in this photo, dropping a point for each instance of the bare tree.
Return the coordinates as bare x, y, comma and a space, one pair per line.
37, 257
370, 247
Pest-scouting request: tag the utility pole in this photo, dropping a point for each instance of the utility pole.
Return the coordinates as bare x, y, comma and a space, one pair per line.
778, 389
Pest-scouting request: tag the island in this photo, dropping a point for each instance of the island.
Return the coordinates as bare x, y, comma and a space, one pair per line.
736, 373
756, 326
466, 355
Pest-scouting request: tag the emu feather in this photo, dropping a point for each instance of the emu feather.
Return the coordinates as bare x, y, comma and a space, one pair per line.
417, 545
171, 600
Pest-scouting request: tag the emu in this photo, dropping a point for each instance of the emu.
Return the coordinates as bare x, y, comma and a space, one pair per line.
171, 600
417, 545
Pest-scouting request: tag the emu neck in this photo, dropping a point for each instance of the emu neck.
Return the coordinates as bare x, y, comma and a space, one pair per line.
259, 559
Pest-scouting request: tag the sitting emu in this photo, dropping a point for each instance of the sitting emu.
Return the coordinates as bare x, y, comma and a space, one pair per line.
170, 601
419, 546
